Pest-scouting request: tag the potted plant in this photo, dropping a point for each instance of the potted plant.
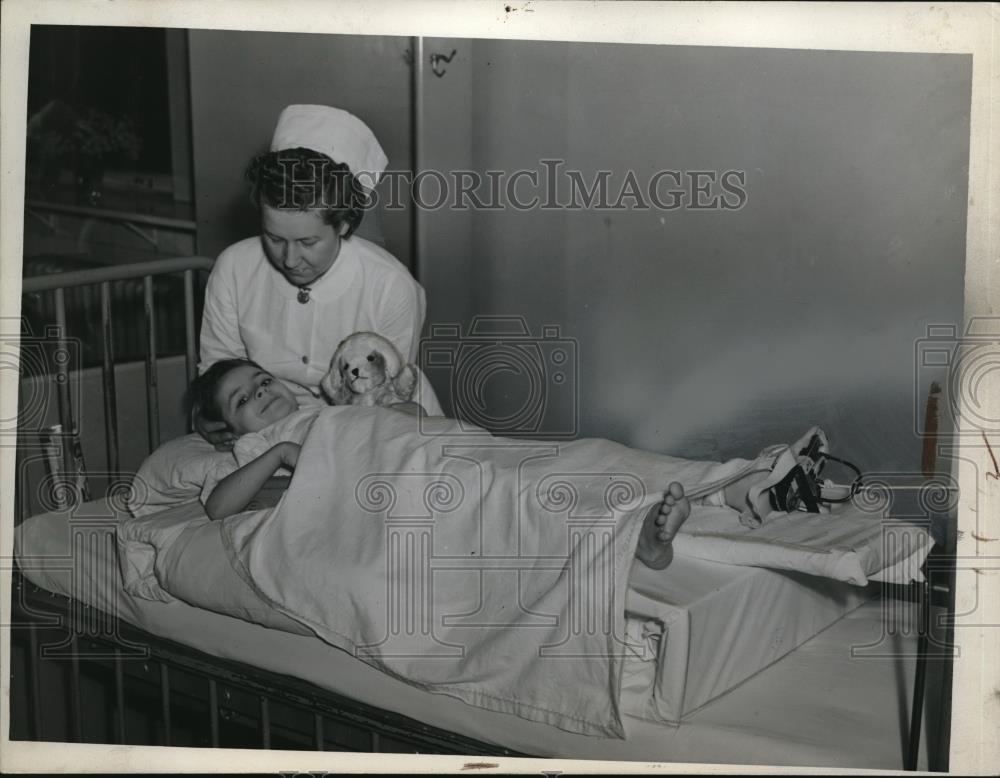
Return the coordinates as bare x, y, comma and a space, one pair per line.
59, 136
98, 135
50, 143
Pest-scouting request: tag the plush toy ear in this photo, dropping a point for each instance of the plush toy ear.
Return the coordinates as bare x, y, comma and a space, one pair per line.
333, 385
405, 383
393, 361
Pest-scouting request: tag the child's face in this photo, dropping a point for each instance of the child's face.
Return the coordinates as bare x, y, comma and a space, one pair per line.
250, 399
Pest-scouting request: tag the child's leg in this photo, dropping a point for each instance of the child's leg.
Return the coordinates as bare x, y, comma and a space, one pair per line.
655, 548
738, 494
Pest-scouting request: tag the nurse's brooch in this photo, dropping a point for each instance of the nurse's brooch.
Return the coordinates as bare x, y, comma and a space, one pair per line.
304, 294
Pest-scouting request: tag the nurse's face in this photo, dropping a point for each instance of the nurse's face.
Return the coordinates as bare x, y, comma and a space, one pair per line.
299, 243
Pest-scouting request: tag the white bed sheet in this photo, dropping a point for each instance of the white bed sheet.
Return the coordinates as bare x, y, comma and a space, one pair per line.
721, 624
816, 707
717, 632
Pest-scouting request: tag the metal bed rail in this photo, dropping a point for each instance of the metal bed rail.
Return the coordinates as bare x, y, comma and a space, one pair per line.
83, 310
59, 342
159, 692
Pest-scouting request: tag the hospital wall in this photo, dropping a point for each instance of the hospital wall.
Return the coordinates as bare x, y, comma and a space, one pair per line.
713, 332
706, 332
240, 82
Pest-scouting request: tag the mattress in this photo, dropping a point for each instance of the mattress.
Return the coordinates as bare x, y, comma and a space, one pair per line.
692, 631
77, 558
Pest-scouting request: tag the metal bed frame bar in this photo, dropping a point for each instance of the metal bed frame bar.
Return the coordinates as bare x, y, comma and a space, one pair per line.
160, 678
103, 277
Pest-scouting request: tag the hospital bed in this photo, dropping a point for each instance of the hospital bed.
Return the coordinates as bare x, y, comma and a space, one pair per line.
726, 664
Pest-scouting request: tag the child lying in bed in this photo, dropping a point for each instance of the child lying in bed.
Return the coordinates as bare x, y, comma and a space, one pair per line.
250, 401
264, 413
271, 428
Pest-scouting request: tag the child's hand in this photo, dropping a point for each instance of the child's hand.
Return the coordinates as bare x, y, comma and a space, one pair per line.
215, 432
289, 453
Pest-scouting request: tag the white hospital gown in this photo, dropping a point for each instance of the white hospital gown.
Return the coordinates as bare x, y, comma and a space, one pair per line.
293, 429
252, 312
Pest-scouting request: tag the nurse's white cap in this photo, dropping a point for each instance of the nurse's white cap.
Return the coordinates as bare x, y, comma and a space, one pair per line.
340, 135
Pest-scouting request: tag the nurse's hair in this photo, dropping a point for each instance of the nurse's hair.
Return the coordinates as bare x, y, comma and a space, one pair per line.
300, 179
200, 399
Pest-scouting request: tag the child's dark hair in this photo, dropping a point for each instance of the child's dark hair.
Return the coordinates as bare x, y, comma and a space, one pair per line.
199, 399
300, 178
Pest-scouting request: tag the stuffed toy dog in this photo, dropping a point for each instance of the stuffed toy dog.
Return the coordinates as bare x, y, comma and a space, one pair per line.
366, 369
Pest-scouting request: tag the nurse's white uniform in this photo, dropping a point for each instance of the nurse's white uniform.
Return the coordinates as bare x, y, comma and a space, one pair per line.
253, 312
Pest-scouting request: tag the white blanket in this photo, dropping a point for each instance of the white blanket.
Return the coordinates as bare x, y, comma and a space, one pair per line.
475, 566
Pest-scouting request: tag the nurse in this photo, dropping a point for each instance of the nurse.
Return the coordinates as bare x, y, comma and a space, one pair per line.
287, 297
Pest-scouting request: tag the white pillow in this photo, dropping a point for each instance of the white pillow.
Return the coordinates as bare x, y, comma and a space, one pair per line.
175, 473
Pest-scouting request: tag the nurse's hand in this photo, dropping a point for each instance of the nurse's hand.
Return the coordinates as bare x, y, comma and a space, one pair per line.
411, 408
216, 433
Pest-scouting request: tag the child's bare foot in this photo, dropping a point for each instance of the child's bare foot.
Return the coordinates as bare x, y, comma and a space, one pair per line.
655, 547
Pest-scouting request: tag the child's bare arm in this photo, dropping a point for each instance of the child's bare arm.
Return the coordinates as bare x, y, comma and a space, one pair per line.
238, 488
